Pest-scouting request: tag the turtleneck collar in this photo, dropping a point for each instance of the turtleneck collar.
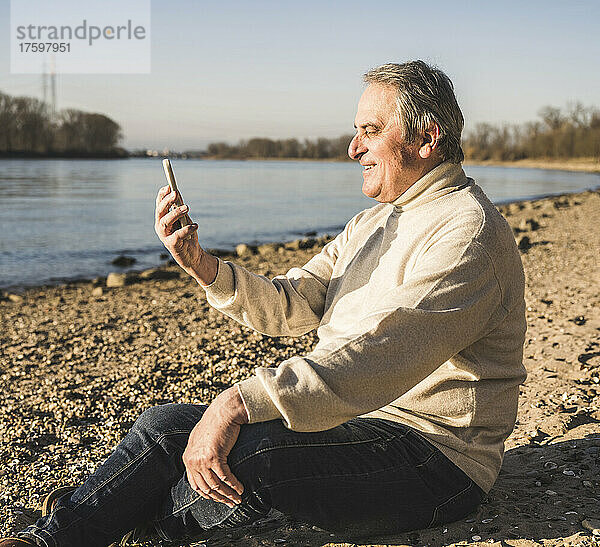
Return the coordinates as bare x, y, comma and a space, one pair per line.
441, 180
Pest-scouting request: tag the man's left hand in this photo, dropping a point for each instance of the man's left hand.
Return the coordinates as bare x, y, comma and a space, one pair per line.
210, 443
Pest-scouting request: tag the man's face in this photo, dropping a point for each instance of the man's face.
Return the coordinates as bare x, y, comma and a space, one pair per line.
391, 165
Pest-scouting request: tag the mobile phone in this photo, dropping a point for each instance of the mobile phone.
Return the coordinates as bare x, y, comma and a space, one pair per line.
185, 219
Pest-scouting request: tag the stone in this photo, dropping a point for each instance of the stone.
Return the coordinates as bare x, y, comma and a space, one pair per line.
593, 525
561, 202
243, 250
524, 243
293, 245
148, 274
115, 279
308, 243
97, 291
267, 248
529, 225
124, 261
580, 320
15, 298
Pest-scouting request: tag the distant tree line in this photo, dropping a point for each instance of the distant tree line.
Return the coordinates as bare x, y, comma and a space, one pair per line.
27, 128
570, 133
318, 149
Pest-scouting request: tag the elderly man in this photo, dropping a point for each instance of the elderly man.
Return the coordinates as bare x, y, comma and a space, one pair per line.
397, 419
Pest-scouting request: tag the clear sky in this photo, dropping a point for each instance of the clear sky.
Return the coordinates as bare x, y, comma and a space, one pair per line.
236, 69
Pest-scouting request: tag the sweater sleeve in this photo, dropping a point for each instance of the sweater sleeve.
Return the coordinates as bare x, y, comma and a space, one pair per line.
287, 305
449, 300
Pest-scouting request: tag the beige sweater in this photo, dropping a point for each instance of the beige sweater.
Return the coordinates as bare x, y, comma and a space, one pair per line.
421, 320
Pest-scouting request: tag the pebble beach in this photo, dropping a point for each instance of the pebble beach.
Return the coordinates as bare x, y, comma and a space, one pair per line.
80, 361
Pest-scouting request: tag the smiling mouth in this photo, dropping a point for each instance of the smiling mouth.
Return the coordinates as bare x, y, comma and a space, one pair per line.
367, 167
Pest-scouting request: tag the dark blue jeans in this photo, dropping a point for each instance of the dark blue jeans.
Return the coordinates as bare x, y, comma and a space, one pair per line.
367, 477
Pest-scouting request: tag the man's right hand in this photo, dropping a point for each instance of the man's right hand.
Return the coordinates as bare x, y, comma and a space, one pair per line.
188, 253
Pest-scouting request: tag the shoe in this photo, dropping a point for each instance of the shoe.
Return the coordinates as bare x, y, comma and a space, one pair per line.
48, 503
15, 542
136, 535
141, 533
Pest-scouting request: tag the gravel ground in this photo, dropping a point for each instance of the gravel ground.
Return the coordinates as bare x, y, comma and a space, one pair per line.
79, 362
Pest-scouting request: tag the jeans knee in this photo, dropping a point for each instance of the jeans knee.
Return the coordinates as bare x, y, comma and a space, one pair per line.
157, 420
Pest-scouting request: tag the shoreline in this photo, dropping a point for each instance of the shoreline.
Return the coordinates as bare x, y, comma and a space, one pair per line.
577, 165
230, 253
81, 361
307, 242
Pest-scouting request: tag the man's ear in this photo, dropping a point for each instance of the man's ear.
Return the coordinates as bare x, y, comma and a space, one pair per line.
430, 141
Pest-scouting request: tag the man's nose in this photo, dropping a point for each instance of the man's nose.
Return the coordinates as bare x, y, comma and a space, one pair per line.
356, 148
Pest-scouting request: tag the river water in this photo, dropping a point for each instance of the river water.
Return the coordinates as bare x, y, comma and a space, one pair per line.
68, 219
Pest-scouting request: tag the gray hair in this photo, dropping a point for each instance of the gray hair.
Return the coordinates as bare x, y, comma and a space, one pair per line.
425, 95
